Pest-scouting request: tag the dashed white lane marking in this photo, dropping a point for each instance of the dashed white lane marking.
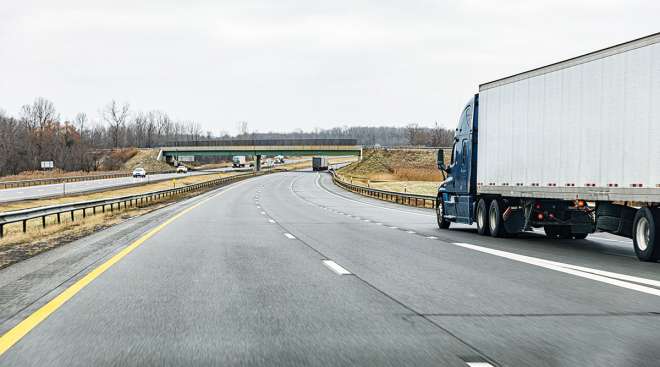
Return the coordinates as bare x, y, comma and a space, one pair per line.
272, 221
263, 213
366, 220
392, 227
290, 236
588, 273
378, 224
336, 267
432, 237
478, 364
411, 232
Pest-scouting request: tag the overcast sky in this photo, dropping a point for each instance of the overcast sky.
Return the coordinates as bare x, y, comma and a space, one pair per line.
283, 65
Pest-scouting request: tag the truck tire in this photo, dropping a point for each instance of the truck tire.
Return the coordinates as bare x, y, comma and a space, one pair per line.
495, 221
481, 215
439, 213
645, 235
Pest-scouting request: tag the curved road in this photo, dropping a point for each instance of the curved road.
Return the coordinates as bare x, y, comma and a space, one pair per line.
288, 269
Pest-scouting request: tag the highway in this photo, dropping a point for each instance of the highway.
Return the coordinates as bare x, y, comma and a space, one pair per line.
42, 191
287, 269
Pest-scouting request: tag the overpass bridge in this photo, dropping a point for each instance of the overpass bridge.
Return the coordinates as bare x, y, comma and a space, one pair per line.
260, 147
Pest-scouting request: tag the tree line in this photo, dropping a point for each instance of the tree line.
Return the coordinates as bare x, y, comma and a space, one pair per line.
386, 136
39, 133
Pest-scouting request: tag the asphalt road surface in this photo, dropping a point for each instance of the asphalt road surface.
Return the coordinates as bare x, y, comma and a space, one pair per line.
40, 191
287, 269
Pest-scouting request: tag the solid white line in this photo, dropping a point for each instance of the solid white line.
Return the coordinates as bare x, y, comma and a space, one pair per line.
568, 269
607, 239
365, 203
290, 236
272, 221
336, 267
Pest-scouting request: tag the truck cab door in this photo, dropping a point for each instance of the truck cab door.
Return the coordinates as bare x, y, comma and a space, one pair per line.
458, 201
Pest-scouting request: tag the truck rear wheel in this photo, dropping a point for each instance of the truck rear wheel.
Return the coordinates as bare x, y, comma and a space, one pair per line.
645, 235
495, 221
439, 213
482, 218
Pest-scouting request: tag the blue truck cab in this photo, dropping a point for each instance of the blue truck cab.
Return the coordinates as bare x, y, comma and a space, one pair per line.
457, 193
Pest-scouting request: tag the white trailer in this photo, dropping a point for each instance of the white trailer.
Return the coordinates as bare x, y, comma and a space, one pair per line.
572, 147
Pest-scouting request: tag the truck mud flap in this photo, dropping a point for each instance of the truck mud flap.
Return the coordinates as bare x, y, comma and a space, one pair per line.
615, 219
514, 220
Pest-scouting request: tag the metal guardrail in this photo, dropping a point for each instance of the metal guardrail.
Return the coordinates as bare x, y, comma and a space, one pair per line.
415, 200
54, 180
128, 201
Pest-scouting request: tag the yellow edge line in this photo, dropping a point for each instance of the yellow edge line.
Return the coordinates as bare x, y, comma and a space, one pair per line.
19, 331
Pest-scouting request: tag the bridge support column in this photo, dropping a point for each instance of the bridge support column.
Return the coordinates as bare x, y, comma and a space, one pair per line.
257, 165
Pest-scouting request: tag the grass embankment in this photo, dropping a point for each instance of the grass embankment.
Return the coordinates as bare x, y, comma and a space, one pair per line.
401, 170
107, 162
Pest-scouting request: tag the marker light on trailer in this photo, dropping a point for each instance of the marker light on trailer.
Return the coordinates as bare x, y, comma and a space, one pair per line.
539, 216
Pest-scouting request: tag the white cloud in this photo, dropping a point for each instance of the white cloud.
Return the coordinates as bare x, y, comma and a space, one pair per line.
291, 64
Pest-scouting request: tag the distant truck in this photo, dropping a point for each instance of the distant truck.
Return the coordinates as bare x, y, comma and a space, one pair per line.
239, 161
279, 159
573, 148
319, 164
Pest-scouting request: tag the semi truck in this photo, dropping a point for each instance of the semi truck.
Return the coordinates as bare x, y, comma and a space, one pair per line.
572, 147
239, 161
319, 164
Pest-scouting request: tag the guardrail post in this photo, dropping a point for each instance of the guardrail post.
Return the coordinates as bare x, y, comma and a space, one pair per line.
2, 230
73, 217
43, 221
24, 225
84, 213
58, 218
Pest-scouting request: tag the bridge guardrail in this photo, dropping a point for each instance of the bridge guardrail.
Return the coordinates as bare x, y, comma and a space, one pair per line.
416, 200
54, 180
129, 200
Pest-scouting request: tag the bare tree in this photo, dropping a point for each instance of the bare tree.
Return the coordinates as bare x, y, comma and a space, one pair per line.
242, 127
116, 115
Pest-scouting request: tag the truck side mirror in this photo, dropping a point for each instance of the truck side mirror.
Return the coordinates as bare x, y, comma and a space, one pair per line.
441, 160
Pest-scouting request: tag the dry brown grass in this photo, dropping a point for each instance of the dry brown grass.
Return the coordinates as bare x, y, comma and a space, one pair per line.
56, 173
168, 184
400, 170
16, 246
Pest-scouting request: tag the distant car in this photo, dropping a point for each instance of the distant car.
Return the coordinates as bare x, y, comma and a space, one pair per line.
182, 169
139, 172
